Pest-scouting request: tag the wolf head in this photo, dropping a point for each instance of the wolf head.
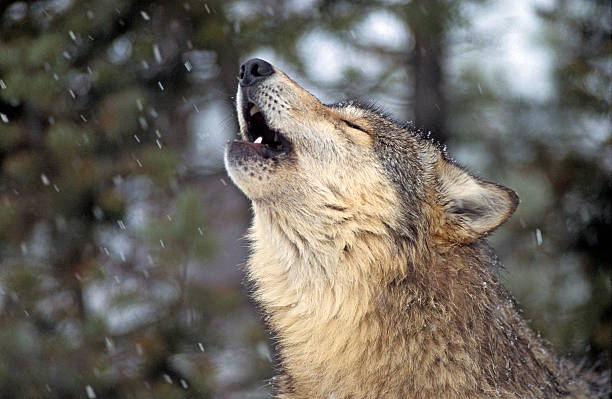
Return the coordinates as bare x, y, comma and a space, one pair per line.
324, 165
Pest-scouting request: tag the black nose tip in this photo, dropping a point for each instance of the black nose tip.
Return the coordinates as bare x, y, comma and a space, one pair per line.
253, 71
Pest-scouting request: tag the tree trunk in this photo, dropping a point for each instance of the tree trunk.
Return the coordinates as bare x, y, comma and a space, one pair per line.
429, 104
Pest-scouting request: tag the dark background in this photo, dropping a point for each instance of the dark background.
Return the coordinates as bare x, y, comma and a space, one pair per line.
120, 234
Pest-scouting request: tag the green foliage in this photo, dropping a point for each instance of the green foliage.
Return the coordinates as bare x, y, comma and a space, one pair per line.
65, 139
118, 114
89, 300
160, 165
181, 229
23, 166
10, 137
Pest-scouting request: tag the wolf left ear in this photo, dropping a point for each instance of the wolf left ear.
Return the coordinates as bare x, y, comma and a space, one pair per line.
473, 207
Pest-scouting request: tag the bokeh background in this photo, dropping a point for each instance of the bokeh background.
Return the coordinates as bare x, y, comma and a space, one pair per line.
120, 233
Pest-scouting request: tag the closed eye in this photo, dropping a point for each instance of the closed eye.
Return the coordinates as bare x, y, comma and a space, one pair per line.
352, 125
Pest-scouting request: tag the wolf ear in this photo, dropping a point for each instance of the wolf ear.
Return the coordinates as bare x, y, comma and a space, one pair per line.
473, 207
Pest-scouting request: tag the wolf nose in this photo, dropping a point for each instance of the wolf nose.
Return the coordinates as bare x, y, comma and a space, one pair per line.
253, 71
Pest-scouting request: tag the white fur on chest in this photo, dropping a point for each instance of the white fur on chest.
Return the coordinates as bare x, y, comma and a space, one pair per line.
308, 271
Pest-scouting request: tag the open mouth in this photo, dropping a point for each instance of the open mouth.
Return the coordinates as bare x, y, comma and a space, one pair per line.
266, 141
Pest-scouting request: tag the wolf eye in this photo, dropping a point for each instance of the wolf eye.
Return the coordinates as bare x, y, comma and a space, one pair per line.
351, 124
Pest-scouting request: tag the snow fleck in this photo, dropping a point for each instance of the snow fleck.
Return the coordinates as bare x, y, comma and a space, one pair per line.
538, 235
145, 16
145, 64
161, 86
72, 35
157, 133
184, 384
196, 108
167, 378
83, 117
56, 188
136, 138
158, 144
109, 344
90, 392
161, 242
188, 66
2, 84
4, 117
139, 104
90, 14
121, 224
24, 248
484, 284
201, 347
200, 231
98, 212
157, 53
71, 93
206, 7
118, 179
223, 182
143, 122
45, 180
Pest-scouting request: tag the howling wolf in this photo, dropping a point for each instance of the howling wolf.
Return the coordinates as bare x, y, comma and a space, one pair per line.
369, 258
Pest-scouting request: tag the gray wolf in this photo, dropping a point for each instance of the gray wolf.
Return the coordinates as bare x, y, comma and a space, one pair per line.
369, 258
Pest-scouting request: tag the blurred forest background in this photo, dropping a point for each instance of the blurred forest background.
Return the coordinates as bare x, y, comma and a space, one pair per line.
120, 234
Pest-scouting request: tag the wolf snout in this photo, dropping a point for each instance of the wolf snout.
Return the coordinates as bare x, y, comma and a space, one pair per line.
253, 71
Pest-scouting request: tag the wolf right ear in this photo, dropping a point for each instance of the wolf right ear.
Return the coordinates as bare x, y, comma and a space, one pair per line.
473, 207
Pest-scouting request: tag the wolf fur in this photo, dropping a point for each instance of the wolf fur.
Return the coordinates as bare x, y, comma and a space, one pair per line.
370, 264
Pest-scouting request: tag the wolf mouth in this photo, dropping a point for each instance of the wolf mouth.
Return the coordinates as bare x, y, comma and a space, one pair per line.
265, 140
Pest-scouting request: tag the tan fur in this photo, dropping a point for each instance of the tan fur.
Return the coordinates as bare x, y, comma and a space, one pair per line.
372, 287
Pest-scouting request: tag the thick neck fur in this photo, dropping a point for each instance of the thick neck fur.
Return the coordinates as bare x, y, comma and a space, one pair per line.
360, 312
314, 263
